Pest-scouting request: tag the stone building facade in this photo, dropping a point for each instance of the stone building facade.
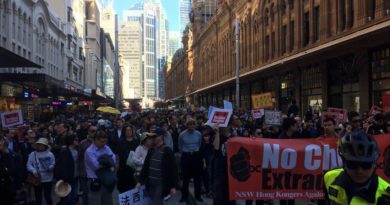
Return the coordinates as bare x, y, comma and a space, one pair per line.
322, 53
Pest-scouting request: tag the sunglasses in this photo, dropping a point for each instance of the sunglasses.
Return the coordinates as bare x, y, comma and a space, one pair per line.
355, 165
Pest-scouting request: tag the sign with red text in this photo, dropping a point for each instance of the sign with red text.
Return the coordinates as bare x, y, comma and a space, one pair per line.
263, 100
9, 119
341, 113
219, 117
262, 169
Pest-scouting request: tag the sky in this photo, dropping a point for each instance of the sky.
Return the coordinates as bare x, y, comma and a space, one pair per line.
171, 7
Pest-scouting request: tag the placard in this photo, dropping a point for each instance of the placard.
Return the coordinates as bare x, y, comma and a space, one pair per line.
342, 113
257, 114
227, 104
263, 100
219, 117
134, 197
375, 110
9, 119
272, 117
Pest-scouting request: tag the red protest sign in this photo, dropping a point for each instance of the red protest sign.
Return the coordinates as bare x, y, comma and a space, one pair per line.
386, 103
375, 110
342, 114
262, 169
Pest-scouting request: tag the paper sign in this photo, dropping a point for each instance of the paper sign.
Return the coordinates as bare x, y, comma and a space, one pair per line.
263, 100
342, 114
210, 111
9, 119
375, 110
227, 104
386, 103
220, 117
134, 197
257, 114
272, 117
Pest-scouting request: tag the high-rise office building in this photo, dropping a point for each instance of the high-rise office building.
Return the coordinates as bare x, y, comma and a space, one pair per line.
154, 45
174, 42
184, 14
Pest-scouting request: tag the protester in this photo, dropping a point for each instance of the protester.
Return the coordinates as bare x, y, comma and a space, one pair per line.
378, 126
357, 182
141, 151
127, 144
329, 129
83, 146
293, 109
8, 174
66, 168
41, 165
98, 194
190, 141
159, 173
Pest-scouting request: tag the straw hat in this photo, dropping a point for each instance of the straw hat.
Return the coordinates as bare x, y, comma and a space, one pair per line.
62, 189
42, 141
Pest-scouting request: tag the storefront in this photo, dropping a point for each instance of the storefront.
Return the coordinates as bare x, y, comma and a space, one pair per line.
344, 91
380, 73
311, 85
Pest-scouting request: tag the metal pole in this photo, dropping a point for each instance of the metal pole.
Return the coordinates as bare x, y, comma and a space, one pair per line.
237, 65
118, 90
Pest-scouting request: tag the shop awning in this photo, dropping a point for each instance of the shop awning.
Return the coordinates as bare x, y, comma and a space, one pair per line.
8, 59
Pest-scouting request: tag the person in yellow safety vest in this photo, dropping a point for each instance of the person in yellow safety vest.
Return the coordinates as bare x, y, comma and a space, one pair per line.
356, 183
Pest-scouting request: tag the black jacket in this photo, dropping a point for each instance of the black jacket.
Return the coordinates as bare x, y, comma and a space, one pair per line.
168, 170
64, 168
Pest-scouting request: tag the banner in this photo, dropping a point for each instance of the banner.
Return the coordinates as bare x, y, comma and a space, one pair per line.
263, 100
9, 119
386, 103
220, 117
273, 117
263, 169
257, 114
342, 114
134, 197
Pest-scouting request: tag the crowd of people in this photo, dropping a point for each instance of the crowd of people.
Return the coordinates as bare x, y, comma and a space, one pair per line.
164, 150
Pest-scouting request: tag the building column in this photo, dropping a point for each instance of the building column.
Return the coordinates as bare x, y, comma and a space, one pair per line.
364, 81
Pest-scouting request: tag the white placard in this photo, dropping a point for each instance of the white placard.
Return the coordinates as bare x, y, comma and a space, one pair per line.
134, 197
9, 119
257, 114
220, 117
272, 117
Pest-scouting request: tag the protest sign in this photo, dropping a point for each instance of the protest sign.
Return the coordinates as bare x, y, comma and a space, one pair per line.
210, 111
375, 110
257, 114
386, 103
263, 100
342, 114
9, 119
262, 169
134, 197
272, 117
227, 104
220, 117
331, 115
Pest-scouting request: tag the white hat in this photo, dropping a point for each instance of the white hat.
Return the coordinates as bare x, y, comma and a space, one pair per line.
42, 141
62, 189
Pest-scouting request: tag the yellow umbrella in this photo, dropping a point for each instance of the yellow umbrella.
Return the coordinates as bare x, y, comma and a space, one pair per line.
108, 109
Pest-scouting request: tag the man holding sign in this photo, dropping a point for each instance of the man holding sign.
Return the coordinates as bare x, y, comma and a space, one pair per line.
357, 182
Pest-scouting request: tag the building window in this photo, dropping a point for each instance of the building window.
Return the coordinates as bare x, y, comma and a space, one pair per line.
283, 38
344, 83
283, 7
352, 12
371, 4
273, 54
343, 16
306, 28
266, 53
292, 37
70, 14
380, 67
316, 23
311, 88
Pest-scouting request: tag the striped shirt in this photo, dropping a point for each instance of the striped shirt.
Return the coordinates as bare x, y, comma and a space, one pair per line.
155, 175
